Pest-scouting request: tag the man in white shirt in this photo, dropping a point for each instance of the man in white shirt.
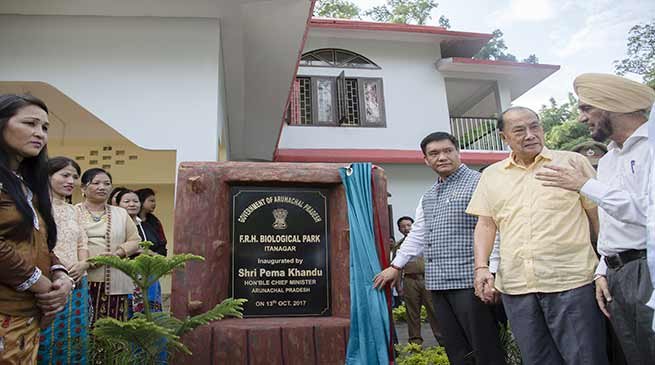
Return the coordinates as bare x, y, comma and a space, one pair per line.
616, 108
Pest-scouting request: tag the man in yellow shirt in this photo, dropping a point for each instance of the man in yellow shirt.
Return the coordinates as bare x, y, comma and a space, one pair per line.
547, 261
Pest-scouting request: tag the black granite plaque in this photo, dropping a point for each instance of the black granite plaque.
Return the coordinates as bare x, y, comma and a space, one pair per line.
280, 251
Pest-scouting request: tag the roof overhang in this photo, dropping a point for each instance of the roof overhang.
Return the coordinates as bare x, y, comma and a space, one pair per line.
379, 156
519, 77
260, 44
453, 43
261, 55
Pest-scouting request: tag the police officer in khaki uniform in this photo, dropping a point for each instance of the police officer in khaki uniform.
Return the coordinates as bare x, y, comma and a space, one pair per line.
413, 289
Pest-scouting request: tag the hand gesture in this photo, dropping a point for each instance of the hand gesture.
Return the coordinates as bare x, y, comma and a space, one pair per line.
54, 300
603, 296
77, 270
387, 276
572, 178
489, 292
484, 285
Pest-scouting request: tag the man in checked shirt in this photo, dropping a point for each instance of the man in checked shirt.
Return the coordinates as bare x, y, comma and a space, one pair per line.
443, 233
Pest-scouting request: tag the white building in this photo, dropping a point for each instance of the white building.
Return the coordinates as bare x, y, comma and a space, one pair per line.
139, 86
371, 91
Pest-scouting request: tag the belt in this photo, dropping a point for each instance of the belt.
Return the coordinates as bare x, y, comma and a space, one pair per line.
417, 276
617, 261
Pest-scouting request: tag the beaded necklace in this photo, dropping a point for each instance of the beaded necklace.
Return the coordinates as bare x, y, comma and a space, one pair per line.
108, 249
107, 213
93, 217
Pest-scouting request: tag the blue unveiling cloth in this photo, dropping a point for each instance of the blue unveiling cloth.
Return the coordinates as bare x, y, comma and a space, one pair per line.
368, 343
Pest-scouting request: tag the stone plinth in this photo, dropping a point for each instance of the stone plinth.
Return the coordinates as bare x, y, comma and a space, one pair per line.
202, 227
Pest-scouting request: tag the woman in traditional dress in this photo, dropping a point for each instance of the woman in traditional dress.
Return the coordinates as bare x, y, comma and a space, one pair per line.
110, 232
129, 200
66, 341
152, 226
34, 286
114, 193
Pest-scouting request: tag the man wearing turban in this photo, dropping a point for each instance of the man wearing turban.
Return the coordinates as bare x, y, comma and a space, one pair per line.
616, 109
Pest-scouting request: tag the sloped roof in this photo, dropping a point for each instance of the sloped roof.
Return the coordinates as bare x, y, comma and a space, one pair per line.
453, 43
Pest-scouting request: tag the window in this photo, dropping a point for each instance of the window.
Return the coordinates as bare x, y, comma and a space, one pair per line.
333, 57
337, 101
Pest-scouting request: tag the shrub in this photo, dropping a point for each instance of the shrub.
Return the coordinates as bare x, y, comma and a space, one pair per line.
508, 342
400, 313
414, 354
141, 339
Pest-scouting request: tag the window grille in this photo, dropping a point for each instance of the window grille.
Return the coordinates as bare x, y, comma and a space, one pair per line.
336, 101
334, 57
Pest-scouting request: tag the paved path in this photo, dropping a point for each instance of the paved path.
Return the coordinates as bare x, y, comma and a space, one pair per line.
426, 333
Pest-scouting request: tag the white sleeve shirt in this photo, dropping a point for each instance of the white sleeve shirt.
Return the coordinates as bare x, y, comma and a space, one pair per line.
651, 238
412, 246
651, 214
621, 192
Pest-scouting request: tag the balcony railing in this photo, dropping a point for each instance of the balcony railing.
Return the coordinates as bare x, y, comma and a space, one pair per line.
478, 134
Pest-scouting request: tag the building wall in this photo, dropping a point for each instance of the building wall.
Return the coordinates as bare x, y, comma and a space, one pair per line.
154, 80
414, 96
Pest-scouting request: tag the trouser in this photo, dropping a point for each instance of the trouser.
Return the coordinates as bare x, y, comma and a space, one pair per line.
499, 313
631, 288
415, 296
614, 351
19, 340
558, 328
470, 332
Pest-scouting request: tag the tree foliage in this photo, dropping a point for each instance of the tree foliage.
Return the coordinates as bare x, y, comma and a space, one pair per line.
413, 12
567, 135
561, 126
531, 59
394, 11
560, 121
404, 11
495, 49
640, 58
554, 114
341, 9
444, 22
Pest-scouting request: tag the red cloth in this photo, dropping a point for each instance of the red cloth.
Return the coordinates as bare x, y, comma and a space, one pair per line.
384, 262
